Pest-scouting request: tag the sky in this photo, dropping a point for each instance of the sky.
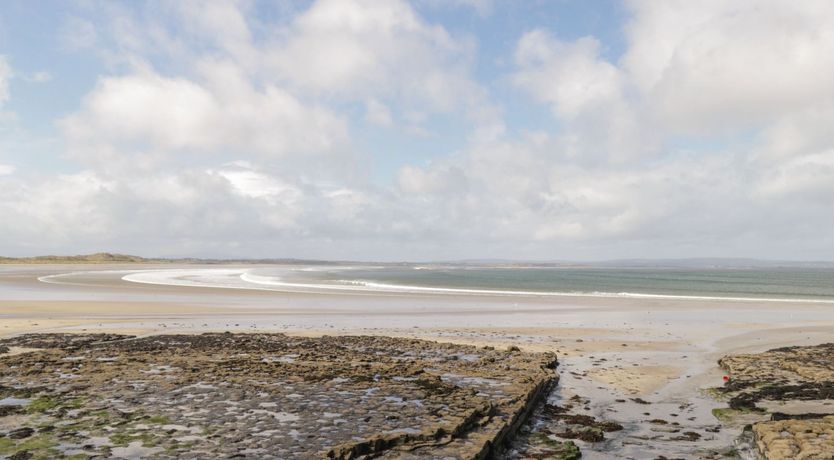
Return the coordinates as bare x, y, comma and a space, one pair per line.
422, 130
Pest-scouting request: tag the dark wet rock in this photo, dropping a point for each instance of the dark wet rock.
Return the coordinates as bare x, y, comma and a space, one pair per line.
776, 416
21, 455
545, 446
20, 433
588, 421
640, 401
789, 373
10, 410
554, 425
17, 391
687, 436
61, 341
553, 410
584, 434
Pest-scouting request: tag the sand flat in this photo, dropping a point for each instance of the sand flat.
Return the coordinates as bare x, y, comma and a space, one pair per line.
638, 380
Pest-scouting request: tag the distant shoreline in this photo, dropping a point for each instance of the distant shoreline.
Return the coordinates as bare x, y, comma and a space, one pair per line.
109, 258
680, 263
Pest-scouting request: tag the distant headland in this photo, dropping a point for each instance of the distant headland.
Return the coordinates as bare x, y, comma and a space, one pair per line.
112, 258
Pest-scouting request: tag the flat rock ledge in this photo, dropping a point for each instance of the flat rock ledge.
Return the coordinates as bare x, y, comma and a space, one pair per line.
799, 379
262, 396
795, 439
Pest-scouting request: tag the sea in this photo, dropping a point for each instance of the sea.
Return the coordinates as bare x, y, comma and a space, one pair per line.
765, 284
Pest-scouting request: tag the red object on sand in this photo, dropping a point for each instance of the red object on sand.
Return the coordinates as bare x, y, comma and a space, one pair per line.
726, 378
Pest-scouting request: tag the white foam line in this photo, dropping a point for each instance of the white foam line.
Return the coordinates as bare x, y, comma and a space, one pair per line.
173, 277
53, 279
384, 287
388, 288
304, 287
296, 288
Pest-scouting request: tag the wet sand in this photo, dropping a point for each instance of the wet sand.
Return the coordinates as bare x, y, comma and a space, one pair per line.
610, 349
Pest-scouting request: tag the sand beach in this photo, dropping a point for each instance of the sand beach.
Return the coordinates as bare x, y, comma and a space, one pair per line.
626, 360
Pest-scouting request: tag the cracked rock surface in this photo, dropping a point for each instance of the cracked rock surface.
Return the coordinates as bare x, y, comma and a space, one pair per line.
786, 375
810, 439
223, 395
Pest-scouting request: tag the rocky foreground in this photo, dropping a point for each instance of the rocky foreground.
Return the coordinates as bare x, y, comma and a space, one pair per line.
263, 396
787, 395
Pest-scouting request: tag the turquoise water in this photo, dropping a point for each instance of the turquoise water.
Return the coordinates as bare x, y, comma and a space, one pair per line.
789, 283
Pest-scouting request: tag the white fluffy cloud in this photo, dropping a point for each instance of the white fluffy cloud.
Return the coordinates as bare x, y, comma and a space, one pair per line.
727, 65
224, 135
222, 112
587, 94
618, 173
378, 49
570, 76
5, 76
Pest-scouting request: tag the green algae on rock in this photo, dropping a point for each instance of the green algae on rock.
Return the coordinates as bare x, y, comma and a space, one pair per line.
267, 396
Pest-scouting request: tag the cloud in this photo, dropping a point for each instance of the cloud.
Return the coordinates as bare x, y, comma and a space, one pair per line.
570, 76
220, 112
38, 77
77, 34
223, 23
719, 66
379, 49
709, 132
6, 74
586, 93
228, 210
483, 8
378, 113
213, 132
434, 180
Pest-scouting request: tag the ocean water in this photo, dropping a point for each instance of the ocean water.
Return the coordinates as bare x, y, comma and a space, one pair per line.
767, 284
771, 284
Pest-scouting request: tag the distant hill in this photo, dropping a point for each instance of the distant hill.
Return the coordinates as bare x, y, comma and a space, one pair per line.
109, 258
98, 258
714, 262
693, 263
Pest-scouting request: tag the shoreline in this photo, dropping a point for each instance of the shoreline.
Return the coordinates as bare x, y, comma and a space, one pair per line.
609, 349
154, 275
